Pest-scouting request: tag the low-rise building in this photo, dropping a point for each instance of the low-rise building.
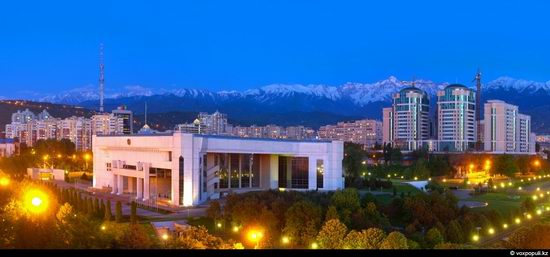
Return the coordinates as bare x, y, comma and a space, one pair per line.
182, 169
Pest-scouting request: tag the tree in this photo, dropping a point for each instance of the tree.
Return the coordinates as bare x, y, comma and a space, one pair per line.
346, 201
108, 214
332, 213
303, 219
118, 211
214, 210
353, 158
366, 239
332, 235
434, 237
394, 240
506, 165
135, 237
133, 212
454, 232
528, 205
198, 238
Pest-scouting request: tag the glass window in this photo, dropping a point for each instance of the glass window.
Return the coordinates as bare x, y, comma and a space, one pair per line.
245, 170
255, 170
282, 171
234, 167
320, 173
300, 172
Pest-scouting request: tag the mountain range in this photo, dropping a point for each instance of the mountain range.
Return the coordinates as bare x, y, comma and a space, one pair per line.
310, 105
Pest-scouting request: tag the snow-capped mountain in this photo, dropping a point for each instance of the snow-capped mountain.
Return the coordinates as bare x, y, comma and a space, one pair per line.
347, 100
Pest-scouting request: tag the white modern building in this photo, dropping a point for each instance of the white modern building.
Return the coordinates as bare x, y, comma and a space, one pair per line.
182, 169
8, 147
406, 124
507, 130
456, 119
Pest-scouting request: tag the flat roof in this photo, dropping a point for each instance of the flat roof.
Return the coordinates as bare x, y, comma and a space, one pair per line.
225, 137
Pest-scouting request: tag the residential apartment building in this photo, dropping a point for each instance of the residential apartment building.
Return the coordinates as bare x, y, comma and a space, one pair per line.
456, 120
507, 130
406, 124
363, 132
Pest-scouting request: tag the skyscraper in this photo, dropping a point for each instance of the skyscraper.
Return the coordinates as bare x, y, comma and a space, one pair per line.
125, 120
406, 124
456, 118
506, 130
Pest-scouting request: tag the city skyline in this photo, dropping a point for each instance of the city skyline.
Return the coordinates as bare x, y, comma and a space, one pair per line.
188, 47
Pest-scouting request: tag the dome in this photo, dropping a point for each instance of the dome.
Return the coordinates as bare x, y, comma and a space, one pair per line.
456, 86
412, 89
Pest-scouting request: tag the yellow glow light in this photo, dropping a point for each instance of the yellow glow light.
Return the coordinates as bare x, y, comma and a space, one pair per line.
547, 208
35, 201
164, 237
541, 195
235, 229
491, 231
389, 175
495, 187
285, 240
314, 246
529, 216
415, 178
475, 238
219, 225
539, 212
505, 226
4, 181
519, 188
538, 188
510, 183
444, 180
535, 197
255, 235
103, 227
518, 220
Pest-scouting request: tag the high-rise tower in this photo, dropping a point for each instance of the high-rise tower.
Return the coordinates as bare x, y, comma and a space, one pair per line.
479, 144
101, 79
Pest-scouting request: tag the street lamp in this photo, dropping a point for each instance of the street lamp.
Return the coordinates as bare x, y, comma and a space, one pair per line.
314, 246
285, 240
255, 236
4, 181
35, 201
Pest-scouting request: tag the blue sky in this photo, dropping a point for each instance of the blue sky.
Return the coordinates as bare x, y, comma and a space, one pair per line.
51, 46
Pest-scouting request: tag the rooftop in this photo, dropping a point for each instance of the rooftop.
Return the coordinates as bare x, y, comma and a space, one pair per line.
170, 133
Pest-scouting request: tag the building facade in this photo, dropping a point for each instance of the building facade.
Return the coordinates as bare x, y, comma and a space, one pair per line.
365, 132
182, 169
507, 130
406, 124
8, 147
456, 119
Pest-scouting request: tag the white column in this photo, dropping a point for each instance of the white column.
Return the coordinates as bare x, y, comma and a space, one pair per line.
312, 178
146, 181
115, 179
139, 188
120, 184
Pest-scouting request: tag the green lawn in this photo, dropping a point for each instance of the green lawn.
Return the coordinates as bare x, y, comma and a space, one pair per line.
503, 203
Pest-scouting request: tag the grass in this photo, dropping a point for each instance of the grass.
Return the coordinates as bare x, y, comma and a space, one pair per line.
500, 202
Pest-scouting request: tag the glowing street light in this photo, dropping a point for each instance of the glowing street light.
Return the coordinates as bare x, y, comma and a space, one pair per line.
103, 228
535, 197
538, 188
539, 212
444, 180
529, 216
491, 231
285, 240
164, 237
314, 246
519, 188
235, 229
415, 178
505, 226
35, 201
255, 236
517, 220
536, 163
475, 238
4, 181
219, 225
